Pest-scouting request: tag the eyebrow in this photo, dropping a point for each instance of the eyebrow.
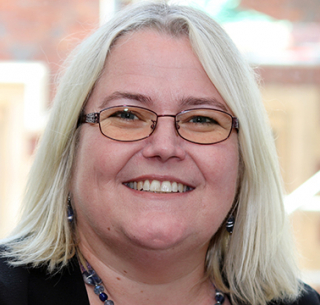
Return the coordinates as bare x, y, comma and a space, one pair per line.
146, 100
198, 101
125, 95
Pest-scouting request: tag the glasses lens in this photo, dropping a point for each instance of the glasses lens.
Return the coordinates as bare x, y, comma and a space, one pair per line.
125, 123
204, 126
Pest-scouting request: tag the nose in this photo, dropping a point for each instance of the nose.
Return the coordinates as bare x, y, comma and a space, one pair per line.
164, 143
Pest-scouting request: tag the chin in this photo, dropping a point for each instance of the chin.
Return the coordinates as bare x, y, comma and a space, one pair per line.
158, 234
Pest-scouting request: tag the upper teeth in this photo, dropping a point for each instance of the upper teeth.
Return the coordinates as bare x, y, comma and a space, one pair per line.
158, 186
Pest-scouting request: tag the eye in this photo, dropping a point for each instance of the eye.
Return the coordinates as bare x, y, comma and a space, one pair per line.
202, 120
126, 115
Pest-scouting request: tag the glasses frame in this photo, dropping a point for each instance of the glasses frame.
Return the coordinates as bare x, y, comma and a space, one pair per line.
94, 118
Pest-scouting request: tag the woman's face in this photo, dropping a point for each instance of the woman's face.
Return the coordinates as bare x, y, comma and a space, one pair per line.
165, 72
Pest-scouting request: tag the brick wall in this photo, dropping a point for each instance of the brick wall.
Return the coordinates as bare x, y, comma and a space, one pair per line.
45, 30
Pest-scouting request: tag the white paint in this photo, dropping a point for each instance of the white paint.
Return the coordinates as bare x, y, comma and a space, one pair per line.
107, 9
304, 196
34, 77
312, 277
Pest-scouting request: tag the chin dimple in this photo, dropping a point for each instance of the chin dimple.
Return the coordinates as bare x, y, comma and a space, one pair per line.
157, 186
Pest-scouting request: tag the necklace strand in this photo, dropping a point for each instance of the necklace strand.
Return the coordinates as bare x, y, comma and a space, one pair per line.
91, 278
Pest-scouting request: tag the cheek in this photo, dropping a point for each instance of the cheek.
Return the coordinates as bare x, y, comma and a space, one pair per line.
98, 165
90, 162
94, 173
97, 157
220, 167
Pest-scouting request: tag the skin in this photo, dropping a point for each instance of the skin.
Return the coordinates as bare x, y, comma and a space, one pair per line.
150, 248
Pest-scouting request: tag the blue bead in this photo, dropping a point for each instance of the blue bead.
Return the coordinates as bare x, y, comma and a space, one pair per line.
230, 224
91, 278
109, 302
70, 214
98, 289
87, 278
103, 297
219, 297
96, 278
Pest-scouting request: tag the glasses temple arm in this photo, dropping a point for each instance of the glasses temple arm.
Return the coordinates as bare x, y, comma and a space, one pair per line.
89, 118
235, 123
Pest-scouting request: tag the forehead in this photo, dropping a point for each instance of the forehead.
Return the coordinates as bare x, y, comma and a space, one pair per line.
159, 66
149, 51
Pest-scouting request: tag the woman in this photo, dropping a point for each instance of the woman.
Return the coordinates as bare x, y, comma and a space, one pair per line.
156, 173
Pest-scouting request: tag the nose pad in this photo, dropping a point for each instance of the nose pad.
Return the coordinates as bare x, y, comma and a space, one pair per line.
153, 126
177, 125
165, 142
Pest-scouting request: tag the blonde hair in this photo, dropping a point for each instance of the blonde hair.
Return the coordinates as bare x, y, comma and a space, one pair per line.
255, 264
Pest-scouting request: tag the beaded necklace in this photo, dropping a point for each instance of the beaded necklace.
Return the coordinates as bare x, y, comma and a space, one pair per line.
91, 278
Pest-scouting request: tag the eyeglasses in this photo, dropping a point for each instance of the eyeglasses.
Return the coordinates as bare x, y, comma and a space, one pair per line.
131, 123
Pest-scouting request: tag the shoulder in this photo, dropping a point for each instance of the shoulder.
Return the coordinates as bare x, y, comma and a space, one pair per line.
26, 285
308, 297
64, 287
12, 279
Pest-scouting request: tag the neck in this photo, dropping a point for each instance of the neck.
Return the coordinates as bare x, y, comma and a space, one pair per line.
149, 276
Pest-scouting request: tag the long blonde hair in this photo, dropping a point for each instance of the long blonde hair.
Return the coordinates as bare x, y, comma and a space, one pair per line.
255, 264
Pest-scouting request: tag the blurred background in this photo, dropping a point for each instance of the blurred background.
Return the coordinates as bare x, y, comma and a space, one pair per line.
280, 38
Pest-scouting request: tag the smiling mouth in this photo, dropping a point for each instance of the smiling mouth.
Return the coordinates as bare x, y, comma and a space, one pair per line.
157, 186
